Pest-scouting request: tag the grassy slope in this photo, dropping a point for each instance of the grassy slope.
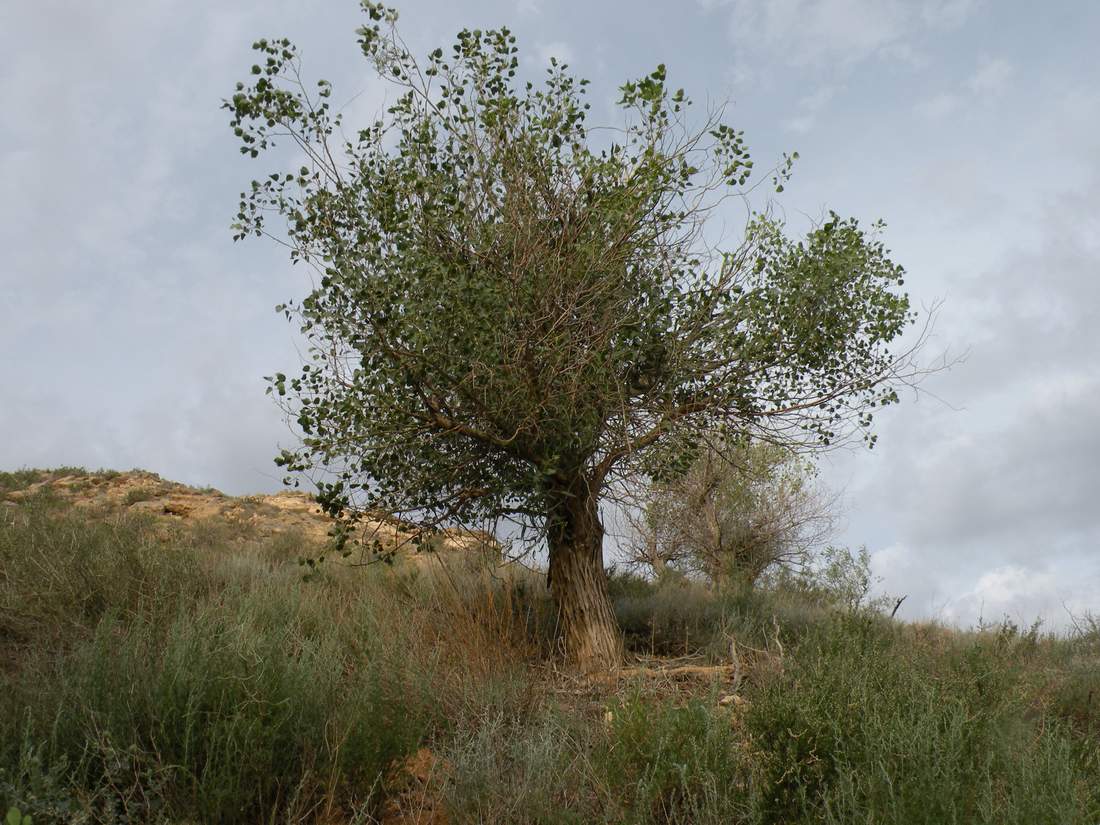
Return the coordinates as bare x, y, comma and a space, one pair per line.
198, 678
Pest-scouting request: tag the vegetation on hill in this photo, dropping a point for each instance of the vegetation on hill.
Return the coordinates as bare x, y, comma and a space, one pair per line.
191, 675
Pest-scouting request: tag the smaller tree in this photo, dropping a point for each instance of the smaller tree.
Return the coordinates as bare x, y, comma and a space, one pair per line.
740, 509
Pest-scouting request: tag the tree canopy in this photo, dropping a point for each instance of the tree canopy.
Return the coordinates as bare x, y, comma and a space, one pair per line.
515, 310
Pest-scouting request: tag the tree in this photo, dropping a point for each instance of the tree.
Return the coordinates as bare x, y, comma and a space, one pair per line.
741, 509
514, 311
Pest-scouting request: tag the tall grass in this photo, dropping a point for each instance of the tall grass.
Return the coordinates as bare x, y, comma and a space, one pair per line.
220, 690
191, 675
864, 727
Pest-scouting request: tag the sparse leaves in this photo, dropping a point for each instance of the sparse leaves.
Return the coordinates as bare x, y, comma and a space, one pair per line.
739, 509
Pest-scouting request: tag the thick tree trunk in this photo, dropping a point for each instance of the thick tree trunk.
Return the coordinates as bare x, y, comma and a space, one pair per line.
578, 582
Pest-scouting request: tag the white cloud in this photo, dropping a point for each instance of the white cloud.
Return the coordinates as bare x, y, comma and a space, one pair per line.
991, 510
740, 75
814, 31
800, 123
948, 14
558, 50
990, 77
818, 100
1020, 593
840, 32
907, 54
808, 109
939, 107
900, 573
889, 558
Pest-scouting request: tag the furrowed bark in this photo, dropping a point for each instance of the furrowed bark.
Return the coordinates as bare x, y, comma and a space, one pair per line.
589, 631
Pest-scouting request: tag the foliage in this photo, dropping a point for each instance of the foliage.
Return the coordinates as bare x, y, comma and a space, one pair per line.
860, 727
150, 688
18, 479
60, 573
740, 509
140, 494
671, 756
670, 617
836, 576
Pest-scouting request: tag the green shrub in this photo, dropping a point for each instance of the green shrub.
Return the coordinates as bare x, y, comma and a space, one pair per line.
672, 763
25, 477
225, 711
139, 494
666, 618
60, 572
22, 479
150, 681
861, 729
26, 783
679, 617
1076, 697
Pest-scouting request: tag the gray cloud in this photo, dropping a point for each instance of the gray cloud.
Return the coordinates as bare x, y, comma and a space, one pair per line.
817, 32
1002, 492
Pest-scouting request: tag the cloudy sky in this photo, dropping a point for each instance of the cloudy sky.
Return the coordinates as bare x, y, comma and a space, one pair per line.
133, 332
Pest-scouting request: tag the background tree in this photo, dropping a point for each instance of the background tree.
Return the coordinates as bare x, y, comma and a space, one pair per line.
741, 509
514, 311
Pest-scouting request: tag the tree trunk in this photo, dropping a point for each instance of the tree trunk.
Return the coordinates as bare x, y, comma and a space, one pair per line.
578, 582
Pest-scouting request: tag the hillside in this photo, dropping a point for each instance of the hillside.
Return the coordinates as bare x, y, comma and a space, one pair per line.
109, 494
165, 660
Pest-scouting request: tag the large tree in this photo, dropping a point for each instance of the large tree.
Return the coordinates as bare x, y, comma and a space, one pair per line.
514, 310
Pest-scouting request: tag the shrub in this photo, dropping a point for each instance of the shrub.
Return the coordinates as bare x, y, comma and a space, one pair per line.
150, 682
60, 573
534, 770
858, 728
23, 478
678, 617
139, 494
672, 763
224, 712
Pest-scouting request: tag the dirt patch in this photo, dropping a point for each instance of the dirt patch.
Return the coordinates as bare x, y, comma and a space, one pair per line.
413, 785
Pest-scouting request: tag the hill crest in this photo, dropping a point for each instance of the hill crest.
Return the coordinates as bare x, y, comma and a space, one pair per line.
106, 493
